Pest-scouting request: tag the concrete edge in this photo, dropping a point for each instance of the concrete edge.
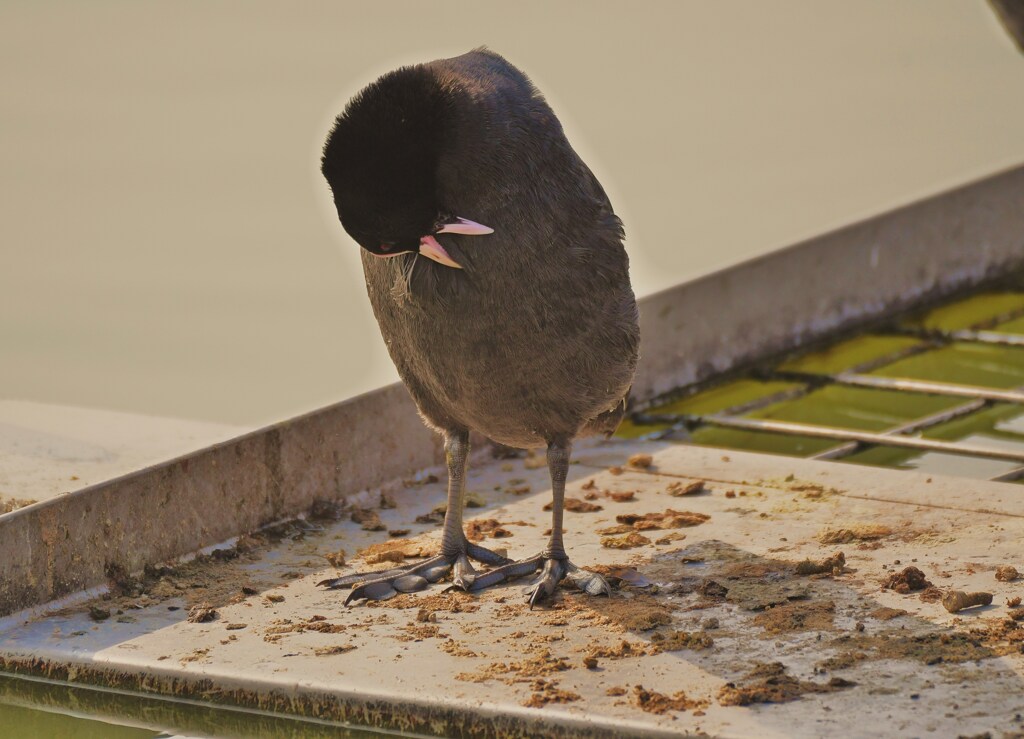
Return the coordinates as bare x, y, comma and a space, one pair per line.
354, 709
691, 332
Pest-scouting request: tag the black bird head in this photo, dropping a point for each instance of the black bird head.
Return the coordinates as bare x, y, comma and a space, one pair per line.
381, 161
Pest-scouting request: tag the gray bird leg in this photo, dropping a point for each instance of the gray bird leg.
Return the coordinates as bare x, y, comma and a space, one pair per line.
553, 559
456, 550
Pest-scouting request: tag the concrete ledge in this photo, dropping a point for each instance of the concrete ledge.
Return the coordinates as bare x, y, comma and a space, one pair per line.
68, 544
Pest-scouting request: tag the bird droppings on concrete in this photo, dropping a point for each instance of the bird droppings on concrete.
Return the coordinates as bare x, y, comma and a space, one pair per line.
681, 623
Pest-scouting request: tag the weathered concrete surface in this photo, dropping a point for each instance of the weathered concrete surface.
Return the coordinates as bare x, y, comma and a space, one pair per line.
456, 664
50, 450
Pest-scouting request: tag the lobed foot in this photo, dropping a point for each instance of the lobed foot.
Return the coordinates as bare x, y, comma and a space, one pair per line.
553, 571
381, 585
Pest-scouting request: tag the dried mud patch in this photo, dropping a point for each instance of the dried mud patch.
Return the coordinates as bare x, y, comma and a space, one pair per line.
854, 533
816, 616
453, 602
771, 683
929, 648
398, 550
639, 613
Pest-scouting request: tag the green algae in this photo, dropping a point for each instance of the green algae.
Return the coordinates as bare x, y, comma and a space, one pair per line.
872, 410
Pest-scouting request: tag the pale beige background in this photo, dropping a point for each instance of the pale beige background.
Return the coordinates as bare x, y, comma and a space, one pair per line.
168, 246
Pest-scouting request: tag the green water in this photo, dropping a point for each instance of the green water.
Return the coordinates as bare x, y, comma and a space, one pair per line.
33, 709
876, 410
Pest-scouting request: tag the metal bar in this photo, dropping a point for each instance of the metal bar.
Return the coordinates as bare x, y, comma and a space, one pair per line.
910, 427
830, 432
1015, 474
798, 392
998, 338
907, 385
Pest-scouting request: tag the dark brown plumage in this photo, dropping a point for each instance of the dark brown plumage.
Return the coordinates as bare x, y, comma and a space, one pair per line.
528, 334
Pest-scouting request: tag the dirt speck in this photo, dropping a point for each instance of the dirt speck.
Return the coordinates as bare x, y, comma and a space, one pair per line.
670, 519
885, 613
334, 649
1007, 573
640, 461
907, 580
678, 489
861, 532
547, 691
480, 529
202, 613
833, 565
622, 650
620, 497
577, 506
629, 541
658, 703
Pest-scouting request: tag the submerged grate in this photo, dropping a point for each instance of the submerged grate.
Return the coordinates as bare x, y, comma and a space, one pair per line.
939, 391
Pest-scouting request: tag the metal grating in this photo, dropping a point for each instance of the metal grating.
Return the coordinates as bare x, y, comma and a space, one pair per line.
947, 383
